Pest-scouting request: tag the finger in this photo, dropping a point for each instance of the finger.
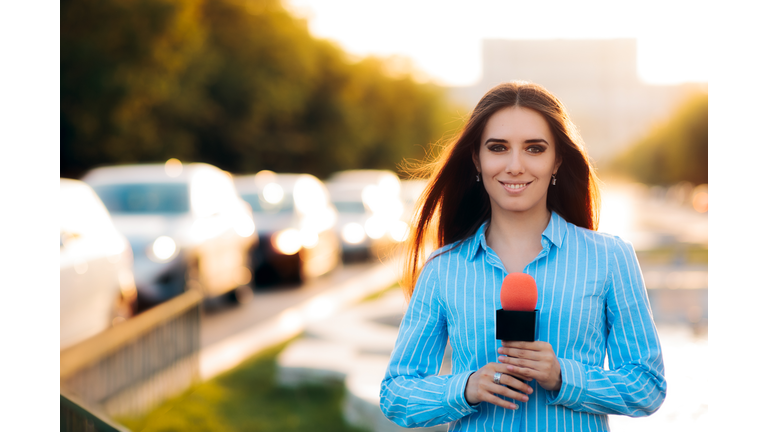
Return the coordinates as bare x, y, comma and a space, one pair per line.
529, 346
514, 388
492, 398
502, 367
524, 374
535, 345
523, 365
510, 394
521, 362
521, 353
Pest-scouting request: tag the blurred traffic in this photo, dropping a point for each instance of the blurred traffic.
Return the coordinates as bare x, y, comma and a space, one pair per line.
96, 266
295, 220
370, 210
186, 225
135, 236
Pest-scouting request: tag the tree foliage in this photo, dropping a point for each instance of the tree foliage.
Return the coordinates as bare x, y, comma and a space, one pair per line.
674, 151
240, 84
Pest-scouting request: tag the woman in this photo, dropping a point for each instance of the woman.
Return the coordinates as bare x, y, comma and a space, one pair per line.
515, 193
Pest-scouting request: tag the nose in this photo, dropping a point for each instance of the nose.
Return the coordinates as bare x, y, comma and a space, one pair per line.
515, 163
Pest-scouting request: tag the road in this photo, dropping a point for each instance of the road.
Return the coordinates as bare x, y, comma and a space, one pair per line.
222, 319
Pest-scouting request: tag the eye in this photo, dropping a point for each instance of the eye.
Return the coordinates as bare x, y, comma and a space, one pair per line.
536, 149
497, 148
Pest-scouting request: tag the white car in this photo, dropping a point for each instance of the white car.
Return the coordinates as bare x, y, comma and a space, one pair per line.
295, 221
410, 191
370, 211
186, 225
95, 261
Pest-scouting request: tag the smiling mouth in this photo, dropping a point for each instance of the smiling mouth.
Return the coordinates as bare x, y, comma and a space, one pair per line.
515, 186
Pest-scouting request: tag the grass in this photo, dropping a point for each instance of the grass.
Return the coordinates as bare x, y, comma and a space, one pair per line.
248, 398
379, 294
683, 254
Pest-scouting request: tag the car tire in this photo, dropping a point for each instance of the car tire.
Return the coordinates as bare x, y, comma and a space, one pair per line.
192, 276
123, 309
241, 295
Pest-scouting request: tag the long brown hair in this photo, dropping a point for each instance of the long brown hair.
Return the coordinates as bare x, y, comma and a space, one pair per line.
454, 205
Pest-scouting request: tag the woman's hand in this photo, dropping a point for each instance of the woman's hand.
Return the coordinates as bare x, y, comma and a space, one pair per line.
481, 388
532, 360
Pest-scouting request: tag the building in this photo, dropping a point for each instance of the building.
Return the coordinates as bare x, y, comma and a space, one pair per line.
597, 81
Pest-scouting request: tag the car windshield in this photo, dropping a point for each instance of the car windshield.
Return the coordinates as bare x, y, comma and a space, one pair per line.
349, 206
260, 205
145, 198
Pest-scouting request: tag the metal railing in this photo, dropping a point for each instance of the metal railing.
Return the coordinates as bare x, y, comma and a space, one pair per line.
75, 417
135, 365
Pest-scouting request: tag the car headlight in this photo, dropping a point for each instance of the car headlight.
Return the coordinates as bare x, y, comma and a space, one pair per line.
287, 241
162, 249
353, 233
309, 238
376, 227
245, 227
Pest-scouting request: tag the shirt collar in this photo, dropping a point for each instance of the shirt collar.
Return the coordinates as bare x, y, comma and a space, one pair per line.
553, 234
555, 231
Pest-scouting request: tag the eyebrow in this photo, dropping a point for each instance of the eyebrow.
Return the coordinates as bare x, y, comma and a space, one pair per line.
529, 141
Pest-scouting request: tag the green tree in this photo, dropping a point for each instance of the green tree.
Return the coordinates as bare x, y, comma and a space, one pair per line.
120, 59
674, 151
239, 84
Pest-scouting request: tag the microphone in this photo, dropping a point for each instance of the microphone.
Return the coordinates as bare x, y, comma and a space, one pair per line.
516, 320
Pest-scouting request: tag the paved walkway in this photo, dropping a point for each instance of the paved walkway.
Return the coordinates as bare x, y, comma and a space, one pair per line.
227, 353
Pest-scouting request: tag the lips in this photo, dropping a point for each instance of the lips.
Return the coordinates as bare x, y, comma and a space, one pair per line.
515, 187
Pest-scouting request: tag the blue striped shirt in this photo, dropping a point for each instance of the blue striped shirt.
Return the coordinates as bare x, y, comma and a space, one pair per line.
592, 304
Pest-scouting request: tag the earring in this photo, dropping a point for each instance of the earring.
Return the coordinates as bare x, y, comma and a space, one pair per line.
554, 180
478, 176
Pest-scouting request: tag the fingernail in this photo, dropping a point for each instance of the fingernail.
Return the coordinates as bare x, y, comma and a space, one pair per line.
501, 358
513, 406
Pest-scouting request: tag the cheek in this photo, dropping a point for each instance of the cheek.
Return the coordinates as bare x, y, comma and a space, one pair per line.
547, 167
491, 165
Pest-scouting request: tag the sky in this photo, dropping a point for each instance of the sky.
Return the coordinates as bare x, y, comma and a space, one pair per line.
443, 38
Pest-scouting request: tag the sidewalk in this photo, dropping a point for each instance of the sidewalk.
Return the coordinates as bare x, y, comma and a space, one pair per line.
231, 351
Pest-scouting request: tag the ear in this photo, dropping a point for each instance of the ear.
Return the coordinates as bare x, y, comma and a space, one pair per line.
558, 162
476, 161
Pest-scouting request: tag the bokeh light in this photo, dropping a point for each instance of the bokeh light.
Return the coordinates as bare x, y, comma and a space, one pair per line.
273, 193
353, 233
287, 241
173, 167
163, 248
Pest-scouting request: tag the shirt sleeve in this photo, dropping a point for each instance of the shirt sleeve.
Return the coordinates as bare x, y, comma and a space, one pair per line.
634, 384
412, 394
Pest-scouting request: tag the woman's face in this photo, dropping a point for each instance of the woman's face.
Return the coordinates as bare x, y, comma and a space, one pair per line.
516, 160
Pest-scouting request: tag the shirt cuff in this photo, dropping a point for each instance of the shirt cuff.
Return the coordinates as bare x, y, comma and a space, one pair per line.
454, 397
573, 386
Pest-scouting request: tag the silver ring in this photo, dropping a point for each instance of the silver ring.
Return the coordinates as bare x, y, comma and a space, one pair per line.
497, 378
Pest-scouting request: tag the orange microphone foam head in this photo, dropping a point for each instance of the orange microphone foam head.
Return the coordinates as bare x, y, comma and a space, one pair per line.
519, 293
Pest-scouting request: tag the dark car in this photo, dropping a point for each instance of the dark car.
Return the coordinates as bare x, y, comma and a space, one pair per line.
295, 221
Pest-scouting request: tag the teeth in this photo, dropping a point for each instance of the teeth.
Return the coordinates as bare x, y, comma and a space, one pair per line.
515, 186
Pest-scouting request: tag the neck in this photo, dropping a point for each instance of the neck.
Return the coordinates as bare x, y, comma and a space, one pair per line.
512, 227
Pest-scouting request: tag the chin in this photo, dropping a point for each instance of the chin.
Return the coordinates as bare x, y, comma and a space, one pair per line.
520, 207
